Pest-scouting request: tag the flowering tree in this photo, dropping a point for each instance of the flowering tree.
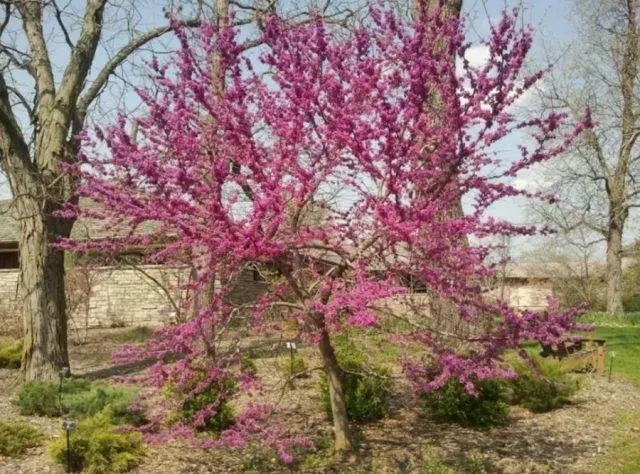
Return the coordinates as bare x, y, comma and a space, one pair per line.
335, 161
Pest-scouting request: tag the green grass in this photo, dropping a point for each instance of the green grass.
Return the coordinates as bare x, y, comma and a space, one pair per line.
624, 342
134, 335
10, 354
624, 457
601, 319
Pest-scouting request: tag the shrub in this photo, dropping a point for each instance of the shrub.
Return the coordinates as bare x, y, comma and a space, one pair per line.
293, 366
453, 403
98, 447
15, 438
10, 355
248, 365
367, 389
80, 399
133, 335
631, 304
537, 394
223, 416
97, 398
42, 398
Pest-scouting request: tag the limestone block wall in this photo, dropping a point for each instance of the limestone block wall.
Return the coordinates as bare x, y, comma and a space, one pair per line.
122, 296
125, 296
524, 294
9, 311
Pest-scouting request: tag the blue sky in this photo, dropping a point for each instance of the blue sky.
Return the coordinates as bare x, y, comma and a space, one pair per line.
551, 20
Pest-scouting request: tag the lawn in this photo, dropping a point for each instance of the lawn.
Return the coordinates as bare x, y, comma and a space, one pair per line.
624, 344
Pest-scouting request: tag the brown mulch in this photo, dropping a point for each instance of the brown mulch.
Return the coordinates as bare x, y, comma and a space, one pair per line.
567, 440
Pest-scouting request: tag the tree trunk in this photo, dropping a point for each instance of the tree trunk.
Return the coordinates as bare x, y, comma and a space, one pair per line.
43, 298
614, 269
336, 395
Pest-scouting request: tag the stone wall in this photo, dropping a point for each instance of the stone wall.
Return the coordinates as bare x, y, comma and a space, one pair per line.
108, 297
114, 296
9, 311
524, 294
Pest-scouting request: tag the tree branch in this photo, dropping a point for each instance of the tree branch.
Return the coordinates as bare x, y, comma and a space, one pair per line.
67, 38
31, 13
13, 143
82, 54
101, 79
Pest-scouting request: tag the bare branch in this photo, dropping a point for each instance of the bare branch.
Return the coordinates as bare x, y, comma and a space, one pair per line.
31, 13
82, 54
102, 78
67, 38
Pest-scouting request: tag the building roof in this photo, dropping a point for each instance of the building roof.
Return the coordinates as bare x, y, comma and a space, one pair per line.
83, 229
9, 226
530, 270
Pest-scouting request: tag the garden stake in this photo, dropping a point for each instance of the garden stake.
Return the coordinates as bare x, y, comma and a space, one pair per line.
68, 425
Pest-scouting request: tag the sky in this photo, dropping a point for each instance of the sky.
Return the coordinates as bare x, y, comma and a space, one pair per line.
553, 33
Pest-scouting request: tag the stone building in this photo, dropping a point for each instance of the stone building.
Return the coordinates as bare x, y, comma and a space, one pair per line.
125, 294
134, 295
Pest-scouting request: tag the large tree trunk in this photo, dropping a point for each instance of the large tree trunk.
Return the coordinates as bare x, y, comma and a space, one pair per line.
614, 268
336, 395
43, 298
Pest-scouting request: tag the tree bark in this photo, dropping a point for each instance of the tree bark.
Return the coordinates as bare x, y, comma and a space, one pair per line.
342, 441
43, 298
614, 265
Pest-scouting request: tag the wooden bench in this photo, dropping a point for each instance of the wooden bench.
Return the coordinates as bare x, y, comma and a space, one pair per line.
587, 354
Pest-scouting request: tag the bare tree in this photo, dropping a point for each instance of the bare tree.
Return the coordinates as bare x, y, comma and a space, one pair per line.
56, 59
598, 182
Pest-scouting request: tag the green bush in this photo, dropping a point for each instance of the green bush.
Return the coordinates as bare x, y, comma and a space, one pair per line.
295, 366
98, 447
80, 398
453, 403
537, 394
42, 398
10, 354
15, 438
631, 303
248, 365
97, 398
367, 389
224, 415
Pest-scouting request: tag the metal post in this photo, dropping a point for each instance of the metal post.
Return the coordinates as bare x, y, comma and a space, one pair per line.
68, 425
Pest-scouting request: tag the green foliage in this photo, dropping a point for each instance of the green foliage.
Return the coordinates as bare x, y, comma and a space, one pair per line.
293, 366
453, 403
97, 447
542, 392
16, 438
96, 399
42, 398
248, 365
367, 389
10, 354
136, 334
80, 398
631, 303
224, 415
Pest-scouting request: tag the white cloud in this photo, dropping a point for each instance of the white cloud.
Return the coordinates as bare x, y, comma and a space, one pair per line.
478, 55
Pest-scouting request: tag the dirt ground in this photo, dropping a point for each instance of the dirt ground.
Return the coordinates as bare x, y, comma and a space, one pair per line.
573, 439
